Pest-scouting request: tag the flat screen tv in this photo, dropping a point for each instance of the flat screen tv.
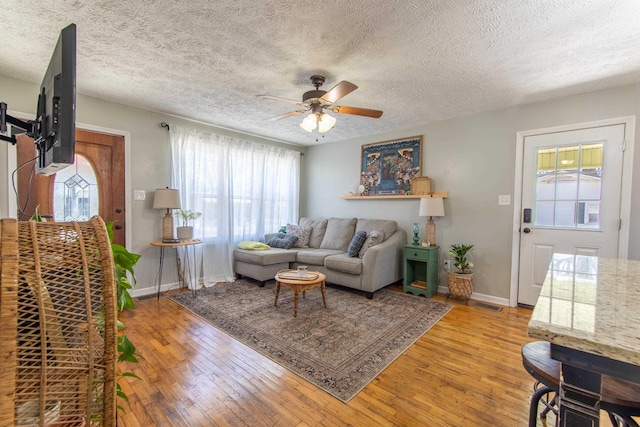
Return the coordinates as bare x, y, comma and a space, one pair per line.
55, 130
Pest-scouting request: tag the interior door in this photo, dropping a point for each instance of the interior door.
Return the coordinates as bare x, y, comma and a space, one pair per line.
570, 198
104, 153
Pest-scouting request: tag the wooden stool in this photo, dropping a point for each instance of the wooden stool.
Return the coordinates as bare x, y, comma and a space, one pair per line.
620, 399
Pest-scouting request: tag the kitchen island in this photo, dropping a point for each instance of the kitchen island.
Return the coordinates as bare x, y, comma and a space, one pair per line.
588, 311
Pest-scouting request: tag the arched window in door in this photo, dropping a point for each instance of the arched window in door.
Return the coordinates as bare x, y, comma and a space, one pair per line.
76, 192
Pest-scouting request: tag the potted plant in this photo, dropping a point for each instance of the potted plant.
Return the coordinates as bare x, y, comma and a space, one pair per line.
185, 232
460, 281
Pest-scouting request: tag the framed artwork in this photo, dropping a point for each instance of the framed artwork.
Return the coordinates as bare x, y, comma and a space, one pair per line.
388, 167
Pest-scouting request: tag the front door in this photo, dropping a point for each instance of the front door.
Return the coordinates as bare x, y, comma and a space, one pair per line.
571, 191
99, 165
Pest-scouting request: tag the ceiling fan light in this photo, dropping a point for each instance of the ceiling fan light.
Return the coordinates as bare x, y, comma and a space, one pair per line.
309, 122
326, 122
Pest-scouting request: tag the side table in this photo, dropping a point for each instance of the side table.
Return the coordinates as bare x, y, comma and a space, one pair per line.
421, 270
183, 243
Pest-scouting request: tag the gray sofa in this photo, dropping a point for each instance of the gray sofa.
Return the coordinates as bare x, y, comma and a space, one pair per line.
326, 252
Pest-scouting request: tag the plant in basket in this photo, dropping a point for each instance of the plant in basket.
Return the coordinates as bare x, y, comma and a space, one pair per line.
460, 282
459, 254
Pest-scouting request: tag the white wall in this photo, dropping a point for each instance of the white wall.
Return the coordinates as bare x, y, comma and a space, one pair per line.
149, 164
473, 158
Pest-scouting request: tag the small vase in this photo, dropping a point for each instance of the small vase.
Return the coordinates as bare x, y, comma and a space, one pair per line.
185, 233
416, 232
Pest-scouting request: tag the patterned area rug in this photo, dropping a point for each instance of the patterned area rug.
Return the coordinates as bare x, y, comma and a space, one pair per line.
340, 349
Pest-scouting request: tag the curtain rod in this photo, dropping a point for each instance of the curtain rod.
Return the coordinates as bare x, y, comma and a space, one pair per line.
166, 125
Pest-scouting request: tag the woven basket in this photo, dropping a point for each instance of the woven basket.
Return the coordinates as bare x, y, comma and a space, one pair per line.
58, 339
460, 285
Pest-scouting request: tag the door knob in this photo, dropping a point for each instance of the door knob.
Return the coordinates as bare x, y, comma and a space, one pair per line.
118, 210
527, 230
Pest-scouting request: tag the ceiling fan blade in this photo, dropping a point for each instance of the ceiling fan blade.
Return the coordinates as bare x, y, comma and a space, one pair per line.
343, 109
338, 91
285, 115
277, 98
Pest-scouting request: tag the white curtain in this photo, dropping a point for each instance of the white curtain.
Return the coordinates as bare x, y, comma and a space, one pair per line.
243, 189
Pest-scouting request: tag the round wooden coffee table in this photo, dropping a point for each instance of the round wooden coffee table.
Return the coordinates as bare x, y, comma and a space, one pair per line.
289, 279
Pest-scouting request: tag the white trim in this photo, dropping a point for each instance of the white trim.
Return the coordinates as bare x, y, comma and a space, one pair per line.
479, 297
12, 164
625, 190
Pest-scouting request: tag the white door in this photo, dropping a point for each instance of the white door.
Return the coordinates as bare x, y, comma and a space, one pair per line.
571, 190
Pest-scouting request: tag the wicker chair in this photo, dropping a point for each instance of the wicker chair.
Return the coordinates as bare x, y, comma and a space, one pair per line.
58, 324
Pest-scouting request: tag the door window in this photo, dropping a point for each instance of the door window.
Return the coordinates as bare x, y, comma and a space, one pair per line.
569, 186
76, 192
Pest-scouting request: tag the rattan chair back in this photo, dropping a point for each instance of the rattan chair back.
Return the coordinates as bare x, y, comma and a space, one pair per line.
58, 324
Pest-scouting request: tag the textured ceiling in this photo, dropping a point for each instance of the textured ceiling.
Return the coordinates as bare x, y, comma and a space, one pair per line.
418, 60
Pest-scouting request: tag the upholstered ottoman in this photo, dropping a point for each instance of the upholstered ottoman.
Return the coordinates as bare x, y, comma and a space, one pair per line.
262, 265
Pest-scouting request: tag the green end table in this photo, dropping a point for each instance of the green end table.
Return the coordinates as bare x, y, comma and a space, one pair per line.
421, 270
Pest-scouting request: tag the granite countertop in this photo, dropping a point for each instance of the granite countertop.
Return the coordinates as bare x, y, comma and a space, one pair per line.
591, 304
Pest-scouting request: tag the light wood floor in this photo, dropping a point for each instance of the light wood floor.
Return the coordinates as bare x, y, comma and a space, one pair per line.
465, 371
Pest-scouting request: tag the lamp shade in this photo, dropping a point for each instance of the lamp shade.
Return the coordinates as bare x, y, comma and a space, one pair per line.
166, 198
309, 122
431, 206
326, 122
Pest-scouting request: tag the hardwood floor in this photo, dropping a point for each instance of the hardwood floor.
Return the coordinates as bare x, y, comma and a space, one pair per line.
465, 371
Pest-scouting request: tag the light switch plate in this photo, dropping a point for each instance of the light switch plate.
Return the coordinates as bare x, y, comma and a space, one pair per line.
139, 195
504, 200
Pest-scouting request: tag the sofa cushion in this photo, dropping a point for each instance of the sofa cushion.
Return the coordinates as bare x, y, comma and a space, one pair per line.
284, 242
344, 263
387, 226
356, 243
339, 233
302, 233
318, 228
252, 245
315, 256
375, 237
268, 257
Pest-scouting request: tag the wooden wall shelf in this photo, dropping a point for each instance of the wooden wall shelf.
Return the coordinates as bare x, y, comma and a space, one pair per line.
443, 194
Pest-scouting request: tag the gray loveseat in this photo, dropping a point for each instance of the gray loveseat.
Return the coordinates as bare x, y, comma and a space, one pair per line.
326, 251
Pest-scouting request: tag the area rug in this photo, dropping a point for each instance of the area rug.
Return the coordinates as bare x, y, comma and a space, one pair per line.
339, 349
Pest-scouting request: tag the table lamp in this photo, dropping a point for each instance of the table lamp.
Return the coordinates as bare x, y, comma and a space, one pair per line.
431, 206
166, 198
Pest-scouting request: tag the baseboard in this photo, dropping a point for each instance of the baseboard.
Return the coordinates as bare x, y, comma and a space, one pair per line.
137, 293
480, 297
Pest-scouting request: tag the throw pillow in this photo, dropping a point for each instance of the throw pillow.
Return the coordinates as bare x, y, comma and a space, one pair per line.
356, 243
375, 237
339, 233
302, 233
318, 228
285, 242
253, 246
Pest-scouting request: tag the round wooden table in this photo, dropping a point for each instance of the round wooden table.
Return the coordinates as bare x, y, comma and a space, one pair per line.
289, 280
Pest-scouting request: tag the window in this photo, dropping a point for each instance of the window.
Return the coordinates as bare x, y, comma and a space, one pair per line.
76, 192
569, 187
243, 189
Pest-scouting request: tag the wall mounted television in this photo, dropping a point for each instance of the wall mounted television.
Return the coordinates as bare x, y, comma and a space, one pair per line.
54, 129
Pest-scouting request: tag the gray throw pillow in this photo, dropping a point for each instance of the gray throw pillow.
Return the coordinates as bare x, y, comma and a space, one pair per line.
375, 237
285, 242
302, 233
356, 243
339, 233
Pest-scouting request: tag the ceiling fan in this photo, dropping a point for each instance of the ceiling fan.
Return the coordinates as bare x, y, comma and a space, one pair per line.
316, 101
